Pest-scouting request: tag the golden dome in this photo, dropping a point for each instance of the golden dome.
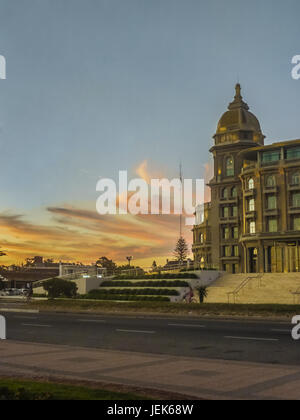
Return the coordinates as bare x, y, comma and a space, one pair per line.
238, 117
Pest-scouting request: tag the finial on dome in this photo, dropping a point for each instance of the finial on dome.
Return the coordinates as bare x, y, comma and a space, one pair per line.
238, 90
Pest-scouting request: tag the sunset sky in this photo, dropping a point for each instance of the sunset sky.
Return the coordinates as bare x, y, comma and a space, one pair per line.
98, 86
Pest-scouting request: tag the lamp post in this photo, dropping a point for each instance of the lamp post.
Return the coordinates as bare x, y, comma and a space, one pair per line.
129, 259
202, 265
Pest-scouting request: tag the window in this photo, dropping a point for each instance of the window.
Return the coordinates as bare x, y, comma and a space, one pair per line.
272, 202
234, 211
252, 228
251, 205
234, 192
236, 252
226, 233
225, 212
202, 238
251, 184
235, 232
296, 200
268, 157
296, 179
229, 166
271, 181
272, 225
296, 223
224, 193
293, 153
227, 251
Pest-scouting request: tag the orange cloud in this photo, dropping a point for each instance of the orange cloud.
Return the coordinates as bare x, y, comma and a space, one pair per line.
80, 234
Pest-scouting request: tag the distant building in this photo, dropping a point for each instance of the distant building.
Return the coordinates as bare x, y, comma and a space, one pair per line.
175, 265
252, 224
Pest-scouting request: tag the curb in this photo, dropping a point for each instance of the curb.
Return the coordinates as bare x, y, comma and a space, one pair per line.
27, 311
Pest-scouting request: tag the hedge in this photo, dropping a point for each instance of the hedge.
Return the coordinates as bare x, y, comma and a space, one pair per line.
128, 298
133, 292
152, 283
158, 276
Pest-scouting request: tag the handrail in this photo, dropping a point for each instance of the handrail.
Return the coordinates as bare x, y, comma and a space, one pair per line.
241, 286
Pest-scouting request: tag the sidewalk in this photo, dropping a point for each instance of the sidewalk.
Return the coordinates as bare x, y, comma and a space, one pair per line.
212, 379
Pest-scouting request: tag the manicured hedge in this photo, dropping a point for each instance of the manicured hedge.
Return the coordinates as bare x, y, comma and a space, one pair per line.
158, 276
152, 283
133, 292
129, 298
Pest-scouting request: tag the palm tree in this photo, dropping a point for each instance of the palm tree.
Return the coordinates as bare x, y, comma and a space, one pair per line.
203, 293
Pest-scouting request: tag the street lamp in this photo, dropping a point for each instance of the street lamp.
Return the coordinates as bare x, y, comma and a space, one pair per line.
129, 259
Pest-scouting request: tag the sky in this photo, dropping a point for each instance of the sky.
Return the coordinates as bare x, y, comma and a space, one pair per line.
98, 86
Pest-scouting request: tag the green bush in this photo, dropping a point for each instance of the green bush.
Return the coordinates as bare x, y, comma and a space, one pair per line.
95, 294
158, 276
151, 283
128, 298
60, 288
21, 394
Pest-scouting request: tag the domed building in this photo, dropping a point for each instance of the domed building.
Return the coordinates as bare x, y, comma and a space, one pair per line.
253, 219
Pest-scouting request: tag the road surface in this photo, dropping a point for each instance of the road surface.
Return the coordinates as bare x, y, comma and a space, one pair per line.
238, 340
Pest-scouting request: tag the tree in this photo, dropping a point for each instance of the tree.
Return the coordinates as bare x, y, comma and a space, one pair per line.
104, 262
182, 250
202, 293
60, 288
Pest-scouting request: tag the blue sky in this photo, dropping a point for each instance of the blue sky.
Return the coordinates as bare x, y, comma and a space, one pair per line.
97, 86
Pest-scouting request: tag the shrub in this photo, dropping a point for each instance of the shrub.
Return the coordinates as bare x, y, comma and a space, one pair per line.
128, 298
97, 294
158, 276
151, 283
60, 288
22, 394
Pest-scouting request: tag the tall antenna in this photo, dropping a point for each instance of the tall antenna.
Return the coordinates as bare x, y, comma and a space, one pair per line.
181, 180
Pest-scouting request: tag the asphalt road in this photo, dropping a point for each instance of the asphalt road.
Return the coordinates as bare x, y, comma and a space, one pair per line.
255, 341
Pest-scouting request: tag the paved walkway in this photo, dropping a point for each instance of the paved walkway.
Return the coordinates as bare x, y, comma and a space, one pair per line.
213, 379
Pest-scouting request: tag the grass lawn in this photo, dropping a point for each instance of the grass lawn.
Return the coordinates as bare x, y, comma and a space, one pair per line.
206, 309
15, 389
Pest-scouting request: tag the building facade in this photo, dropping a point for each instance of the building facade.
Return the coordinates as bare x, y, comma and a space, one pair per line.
252, 224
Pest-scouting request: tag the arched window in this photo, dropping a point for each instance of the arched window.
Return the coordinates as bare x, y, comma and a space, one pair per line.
271, 181
234, 192
224, 193
296, 179
251, 184
229, 166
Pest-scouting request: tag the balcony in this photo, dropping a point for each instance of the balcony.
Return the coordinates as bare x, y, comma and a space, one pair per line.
229, 220
294, 210
271, 212
250, 214
231, 258
271, 190
294, 187
229, 200
249, 168
250, 193
201, 245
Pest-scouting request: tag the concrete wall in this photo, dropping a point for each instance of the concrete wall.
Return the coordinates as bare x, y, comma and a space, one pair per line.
205, 278
83, 285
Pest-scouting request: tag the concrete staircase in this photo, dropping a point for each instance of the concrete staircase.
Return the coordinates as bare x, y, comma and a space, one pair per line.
271, 288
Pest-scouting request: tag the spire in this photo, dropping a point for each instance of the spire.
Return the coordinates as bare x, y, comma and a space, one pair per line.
238, 90
238, 99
